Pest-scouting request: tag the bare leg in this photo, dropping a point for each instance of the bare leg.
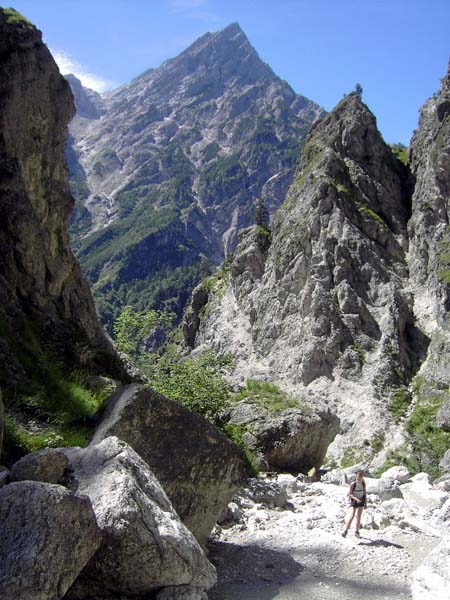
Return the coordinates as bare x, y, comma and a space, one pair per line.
358, 517
351, 514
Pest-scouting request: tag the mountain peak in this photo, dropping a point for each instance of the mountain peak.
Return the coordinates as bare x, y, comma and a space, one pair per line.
232, 29
228, 52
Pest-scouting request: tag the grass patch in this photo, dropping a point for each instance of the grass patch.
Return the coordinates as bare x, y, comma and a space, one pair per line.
371, 214
19, 440
427, 443
400, 402
267, 395
53, 407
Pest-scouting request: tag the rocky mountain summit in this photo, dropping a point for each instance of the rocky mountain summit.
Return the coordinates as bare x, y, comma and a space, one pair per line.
334, 302
169, 167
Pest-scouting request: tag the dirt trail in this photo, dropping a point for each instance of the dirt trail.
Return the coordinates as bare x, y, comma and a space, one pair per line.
300, 553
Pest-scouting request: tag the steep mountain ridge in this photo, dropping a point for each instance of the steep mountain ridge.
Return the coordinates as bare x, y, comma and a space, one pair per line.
182, 151
326, 310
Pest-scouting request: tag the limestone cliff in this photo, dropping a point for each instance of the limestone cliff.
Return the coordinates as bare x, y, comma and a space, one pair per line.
430, 240
323, 311
45, 303
429, 265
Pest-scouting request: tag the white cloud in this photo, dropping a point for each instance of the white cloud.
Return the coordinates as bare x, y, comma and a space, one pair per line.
67, 64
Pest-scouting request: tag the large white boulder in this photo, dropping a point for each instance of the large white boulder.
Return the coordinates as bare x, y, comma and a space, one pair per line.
385, 488
146, 546
199, 468
398, 473
47, 535
431, 580
420, 496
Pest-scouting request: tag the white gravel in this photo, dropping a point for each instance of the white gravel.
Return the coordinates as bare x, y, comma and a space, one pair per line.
299, 552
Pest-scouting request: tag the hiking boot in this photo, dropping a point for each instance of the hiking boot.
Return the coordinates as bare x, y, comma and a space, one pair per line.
358, 535
344, 533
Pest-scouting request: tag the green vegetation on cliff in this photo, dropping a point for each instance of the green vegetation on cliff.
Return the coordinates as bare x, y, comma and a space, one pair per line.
266, 395
15, 18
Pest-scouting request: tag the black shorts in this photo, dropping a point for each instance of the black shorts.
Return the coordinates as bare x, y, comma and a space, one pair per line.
361, 504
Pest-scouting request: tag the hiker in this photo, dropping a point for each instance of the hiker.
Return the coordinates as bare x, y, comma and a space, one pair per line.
358, 502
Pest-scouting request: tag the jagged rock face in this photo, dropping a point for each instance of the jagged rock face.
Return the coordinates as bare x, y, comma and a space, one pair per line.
430, 238
88, 103
429, 258
2, 416
183, 150
40, 281
328, 313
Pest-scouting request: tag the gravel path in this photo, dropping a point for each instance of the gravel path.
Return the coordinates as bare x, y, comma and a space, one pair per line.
300, 553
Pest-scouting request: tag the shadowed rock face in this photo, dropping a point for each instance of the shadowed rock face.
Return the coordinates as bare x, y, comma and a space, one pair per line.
291, 440
42, 292
327, 313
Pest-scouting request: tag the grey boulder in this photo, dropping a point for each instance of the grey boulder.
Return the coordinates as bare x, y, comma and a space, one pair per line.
197, 465
293, 440
47, 465
47, 535
444, 463
386, 487
145, 545
263, 491
443, 416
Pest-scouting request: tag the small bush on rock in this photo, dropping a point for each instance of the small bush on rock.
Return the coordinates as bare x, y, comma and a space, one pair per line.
267, 395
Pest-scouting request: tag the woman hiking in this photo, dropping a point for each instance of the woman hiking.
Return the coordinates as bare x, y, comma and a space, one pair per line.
358, 502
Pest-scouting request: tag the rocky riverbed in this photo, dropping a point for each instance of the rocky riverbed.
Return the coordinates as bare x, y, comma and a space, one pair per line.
286, 542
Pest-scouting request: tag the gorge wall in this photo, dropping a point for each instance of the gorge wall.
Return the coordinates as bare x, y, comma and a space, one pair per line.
46, 308
344, 301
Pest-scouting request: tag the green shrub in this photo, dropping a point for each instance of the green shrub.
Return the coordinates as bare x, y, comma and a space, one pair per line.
426, 443
401, 152
197, 383
132, 328
267, 395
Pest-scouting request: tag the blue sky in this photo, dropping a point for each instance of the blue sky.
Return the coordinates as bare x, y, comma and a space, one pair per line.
397, 49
